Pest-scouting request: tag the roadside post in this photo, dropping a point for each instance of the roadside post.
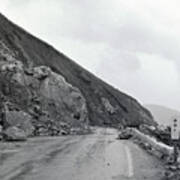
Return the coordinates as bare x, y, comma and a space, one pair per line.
175, 137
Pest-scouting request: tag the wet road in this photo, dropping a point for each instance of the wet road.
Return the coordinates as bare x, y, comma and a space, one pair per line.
98, 156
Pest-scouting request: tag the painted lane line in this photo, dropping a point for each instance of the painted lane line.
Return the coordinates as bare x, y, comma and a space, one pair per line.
130, 162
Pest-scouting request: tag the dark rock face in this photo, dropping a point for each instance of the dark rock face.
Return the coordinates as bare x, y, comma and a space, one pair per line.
104, 104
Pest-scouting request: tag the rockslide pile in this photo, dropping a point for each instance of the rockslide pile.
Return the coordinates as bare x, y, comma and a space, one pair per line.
37, 101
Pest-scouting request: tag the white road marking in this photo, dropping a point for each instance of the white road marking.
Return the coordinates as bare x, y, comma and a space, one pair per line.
130, 162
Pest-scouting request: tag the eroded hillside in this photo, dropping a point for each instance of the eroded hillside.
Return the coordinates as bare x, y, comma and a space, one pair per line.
32, 70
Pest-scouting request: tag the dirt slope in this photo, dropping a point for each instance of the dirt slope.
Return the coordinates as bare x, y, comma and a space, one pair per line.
105, 104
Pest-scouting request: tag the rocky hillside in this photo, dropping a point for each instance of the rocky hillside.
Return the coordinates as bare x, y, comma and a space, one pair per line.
38, 100
49, 87
163, 115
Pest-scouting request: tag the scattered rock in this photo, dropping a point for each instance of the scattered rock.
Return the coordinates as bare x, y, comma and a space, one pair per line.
170, 160
168, 175
63, 132
147, 146
125, 134
173, 167
11, 66
41, 72
14, 134
42, 131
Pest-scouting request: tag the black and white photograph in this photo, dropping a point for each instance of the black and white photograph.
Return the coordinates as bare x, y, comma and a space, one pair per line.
89, 90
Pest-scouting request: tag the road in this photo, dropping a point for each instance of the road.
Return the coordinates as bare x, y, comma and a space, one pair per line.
98, 156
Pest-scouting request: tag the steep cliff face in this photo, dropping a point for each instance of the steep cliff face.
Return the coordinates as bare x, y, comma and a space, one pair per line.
105, 104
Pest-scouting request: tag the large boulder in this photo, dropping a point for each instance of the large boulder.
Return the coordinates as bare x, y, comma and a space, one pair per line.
14, 134
69, 103
18, 44
21, 120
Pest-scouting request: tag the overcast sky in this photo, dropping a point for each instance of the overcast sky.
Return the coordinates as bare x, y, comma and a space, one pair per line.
132, 44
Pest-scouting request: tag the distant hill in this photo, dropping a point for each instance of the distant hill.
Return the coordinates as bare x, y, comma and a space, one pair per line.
162, 114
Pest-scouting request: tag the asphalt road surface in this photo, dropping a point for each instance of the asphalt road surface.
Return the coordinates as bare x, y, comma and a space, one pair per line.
98, 156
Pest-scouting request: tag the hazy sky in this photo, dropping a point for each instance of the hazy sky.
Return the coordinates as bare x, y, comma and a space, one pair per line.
132, 44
